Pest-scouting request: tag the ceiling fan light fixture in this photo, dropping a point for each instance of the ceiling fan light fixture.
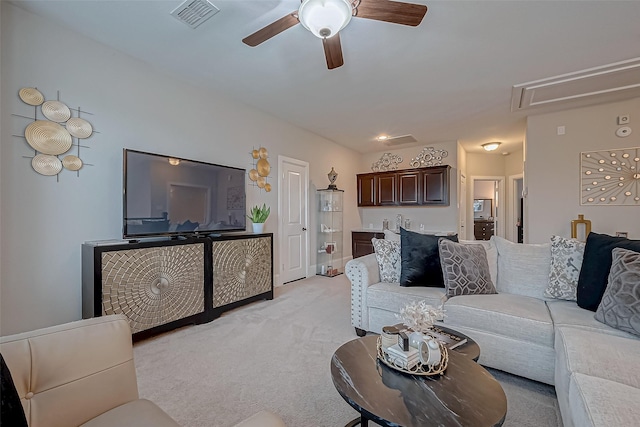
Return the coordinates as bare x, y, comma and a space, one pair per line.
491, 146
325, 18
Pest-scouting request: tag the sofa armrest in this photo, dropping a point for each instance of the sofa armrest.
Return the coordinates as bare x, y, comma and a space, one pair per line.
68, 374
362, 272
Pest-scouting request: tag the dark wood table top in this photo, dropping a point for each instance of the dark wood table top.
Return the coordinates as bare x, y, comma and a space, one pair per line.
466, 395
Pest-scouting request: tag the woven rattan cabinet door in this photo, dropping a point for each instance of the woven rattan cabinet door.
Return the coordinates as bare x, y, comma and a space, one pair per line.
242, 268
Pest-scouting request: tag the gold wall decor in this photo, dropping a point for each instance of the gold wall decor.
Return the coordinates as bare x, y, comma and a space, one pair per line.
429, 156
261, 169
610, 177
575, 225
54, 134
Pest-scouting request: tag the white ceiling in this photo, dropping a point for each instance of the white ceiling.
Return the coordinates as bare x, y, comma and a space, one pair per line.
448, 79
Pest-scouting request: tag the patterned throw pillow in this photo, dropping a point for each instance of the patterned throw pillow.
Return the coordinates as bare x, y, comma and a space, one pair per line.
620, 305
566, 262
388, 256
465, 269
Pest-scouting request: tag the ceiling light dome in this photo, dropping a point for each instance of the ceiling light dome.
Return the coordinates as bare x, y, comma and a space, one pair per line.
325, 18
490, 146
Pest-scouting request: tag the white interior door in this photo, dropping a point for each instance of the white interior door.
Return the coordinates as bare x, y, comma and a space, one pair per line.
294, 214
462, 207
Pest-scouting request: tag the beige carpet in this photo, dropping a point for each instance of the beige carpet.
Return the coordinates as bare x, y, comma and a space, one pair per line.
276, 355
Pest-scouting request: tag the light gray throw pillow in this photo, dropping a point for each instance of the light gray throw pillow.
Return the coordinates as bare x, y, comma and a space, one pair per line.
566, 262
388, 257
620, 305
523, 269
465, 269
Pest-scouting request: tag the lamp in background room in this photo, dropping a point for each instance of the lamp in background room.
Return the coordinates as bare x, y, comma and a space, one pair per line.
174, 161
491, 146
325, 18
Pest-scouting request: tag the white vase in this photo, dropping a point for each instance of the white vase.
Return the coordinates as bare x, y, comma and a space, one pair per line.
258, 227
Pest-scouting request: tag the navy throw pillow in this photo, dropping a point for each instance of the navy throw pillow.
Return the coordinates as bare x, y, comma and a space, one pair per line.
11, 411
596, 264
420, 259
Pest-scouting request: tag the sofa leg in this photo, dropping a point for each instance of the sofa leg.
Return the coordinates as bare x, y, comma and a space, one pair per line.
360, 332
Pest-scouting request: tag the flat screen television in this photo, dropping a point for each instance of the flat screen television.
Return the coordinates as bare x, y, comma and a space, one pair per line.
168, 196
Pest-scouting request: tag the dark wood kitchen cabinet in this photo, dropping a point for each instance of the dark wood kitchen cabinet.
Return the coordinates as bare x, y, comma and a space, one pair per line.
410, 187
361, 244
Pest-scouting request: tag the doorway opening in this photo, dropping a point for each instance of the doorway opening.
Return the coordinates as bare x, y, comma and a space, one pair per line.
487, 208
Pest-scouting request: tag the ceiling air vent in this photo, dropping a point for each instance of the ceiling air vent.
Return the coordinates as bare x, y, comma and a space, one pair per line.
606, 83
398, 140
194, 12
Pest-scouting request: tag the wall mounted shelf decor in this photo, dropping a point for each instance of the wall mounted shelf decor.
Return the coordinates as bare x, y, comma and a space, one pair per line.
610, 177
388, 162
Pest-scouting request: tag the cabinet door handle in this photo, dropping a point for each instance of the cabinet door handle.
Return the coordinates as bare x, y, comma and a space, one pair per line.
304, 229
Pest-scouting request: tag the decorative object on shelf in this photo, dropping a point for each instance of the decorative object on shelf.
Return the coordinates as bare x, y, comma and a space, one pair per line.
332, 175
574, 228
610, 177
429, 156
398, 222
53, 137
407, 224
261, 169
388, 162
385, 224
258, 216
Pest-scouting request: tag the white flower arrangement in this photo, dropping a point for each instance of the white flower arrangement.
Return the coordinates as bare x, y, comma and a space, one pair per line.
420, 316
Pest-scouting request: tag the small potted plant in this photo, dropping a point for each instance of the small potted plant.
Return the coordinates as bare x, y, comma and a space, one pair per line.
258, 216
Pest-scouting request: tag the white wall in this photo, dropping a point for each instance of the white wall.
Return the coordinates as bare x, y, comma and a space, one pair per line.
44, 222
434, 218
552, 175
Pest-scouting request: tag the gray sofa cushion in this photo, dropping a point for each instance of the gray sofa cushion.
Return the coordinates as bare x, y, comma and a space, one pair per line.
599, 402
392, 296
523, 269
514, 316
620, 305
567, 313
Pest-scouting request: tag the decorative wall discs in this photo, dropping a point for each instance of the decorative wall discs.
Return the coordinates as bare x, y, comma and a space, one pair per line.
47, 165
388, 162
72, 163
48, 137
56, 111
31, 96
261, 168
429, 156
80, 128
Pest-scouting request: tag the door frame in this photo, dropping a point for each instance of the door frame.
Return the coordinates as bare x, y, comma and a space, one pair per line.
514, 204
282, 250
500, 230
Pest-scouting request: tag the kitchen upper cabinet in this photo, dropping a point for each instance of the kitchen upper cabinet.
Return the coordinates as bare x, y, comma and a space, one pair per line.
386, 193
435, 185
366, 190
410, 187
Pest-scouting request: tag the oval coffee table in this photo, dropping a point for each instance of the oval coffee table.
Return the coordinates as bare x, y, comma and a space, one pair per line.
466, 395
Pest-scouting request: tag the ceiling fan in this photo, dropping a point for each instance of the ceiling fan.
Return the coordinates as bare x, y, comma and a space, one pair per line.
325, 19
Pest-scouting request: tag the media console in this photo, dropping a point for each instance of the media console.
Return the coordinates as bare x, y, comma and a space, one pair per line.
164, 284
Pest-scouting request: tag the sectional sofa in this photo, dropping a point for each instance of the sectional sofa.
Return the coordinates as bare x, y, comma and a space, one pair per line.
595, 368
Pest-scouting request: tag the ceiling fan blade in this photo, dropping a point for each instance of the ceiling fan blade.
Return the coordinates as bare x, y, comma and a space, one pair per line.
333, 51
271, 30
391, 11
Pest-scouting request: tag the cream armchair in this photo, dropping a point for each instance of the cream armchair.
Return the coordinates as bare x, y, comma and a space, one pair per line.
82, 374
